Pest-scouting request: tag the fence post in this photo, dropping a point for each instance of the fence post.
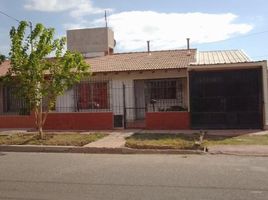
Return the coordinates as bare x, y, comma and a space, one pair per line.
124, 105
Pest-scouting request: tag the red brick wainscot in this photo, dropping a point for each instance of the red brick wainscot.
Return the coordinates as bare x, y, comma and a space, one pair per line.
167, 120
17, 121
79, 121
62, 121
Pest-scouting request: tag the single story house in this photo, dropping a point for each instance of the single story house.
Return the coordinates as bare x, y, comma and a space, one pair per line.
174, 89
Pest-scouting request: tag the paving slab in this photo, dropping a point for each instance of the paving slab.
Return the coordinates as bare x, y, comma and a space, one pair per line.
12, 131
115, 139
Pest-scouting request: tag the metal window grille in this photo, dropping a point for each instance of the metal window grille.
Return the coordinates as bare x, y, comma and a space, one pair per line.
10, 104
164, 95
131, 100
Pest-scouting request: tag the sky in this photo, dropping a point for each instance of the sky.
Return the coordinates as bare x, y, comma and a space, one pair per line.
210, 24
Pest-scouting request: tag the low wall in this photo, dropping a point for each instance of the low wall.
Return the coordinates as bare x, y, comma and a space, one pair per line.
62, 121
96, 121
167, 120
79, 121
17, 121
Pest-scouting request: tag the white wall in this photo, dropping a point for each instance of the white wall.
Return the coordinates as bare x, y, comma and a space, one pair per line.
65, 102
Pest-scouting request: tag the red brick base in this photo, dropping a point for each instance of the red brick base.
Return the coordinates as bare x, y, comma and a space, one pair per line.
17, 121
96, 121
167, 120
79, 121
62, 121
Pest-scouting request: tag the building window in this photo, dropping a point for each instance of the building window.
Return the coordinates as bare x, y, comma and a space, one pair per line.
92, 95
13, 104
164, 89
164, 95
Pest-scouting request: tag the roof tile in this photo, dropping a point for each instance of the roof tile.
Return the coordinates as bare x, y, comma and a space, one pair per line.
137, 61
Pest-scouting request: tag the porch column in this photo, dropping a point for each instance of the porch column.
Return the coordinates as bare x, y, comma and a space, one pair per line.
265, 94
188, 90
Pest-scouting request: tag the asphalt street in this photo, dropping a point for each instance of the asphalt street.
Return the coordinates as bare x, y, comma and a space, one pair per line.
40, 176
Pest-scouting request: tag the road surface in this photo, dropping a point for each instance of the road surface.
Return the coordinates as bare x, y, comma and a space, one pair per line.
40, 176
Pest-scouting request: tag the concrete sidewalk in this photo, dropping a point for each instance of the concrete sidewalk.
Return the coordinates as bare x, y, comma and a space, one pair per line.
115, 143
229, 132
115, 139
256, 150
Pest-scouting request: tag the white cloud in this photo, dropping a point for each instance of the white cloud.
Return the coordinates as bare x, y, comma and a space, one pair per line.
132, 29
77, 8
50, 5
170, 30
70, 26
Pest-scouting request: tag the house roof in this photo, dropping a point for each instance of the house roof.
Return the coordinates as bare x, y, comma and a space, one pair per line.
158, 60
220, 57
4, 68
137, 61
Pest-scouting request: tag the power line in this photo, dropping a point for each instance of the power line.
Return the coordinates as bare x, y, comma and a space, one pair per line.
259, 56
7, 15
234, 38
248, 35
13, 18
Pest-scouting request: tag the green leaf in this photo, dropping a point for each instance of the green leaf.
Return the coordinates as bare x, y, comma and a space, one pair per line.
36, 76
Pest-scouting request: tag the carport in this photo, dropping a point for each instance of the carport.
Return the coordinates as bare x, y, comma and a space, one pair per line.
228, 96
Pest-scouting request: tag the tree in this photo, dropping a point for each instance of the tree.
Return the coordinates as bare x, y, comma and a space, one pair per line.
35, 76
2, 58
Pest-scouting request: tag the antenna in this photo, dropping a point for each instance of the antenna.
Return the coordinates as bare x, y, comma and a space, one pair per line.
105, 16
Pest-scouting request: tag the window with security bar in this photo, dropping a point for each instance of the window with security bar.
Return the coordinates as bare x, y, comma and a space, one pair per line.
10, 103
92, 95
164, 95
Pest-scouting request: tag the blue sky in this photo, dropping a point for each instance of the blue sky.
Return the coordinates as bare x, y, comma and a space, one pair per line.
211, 24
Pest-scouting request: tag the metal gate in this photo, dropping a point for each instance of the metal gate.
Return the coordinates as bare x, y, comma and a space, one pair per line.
134, 115
226, 99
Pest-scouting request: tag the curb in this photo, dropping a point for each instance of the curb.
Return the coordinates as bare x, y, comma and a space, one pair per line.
238, 153
161, 151
36, 148
239, 150
73, 149
121, 150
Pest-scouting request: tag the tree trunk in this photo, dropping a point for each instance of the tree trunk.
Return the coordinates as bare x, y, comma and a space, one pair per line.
41, 133
44, 118
39, 121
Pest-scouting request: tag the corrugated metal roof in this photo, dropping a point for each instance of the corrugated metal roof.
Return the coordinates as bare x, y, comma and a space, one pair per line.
137, 61
220, 57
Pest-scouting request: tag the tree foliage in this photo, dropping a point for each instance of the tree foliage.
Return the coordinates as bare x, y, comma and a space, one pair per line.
37, 77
